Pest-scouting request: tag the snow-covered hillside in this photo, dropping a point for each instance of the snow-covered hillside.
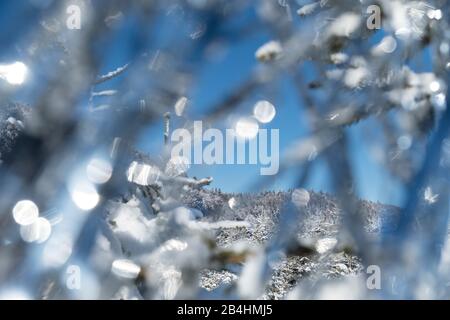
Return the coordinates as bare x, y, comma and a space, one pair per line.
211, 237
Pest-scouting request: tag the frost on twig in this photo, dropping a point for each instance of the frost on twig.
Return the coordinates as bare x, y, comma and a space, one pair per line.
104, 93
111, 75
194, 183
166, 127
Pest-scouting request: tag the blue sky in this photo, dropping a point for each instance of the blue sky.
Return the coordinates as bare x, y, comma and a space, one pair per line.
217, 79
214, 80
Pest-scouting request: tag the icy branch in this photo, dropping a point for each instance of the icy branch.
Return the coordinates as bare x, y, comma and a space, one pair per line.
111, 75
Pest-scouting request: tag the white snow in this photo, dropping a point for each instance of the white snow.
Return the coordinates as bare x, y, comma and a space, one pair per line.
264, 111
325, 244
143, 174
177, 166
125, 268
39, 231
25, 212
300, 198
429, 196
247, 128
180, 106
99, 170
14, 73
308, 9
344, 25
270, 51
250, 283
